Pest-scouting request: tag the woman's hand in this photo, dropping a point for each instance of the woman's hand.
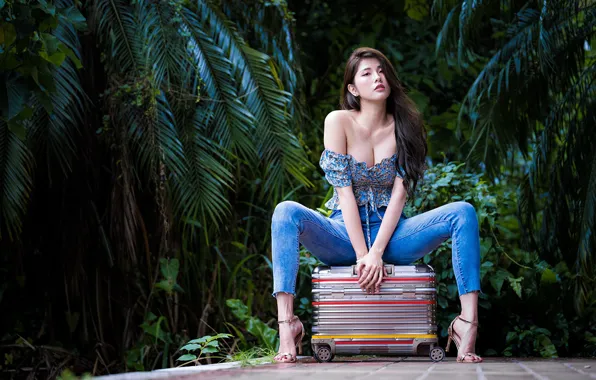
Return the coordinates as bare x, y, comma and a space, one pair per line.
370, 272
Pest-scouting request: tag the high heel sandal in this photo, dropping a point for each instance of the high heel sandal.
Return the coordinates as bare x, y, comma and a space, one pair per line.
452, 334
297, 341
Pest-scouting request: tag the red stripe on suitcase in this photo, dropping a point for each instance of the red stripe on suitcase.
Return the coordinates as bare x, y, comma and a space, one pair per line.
385, 343
388, 279
321, 303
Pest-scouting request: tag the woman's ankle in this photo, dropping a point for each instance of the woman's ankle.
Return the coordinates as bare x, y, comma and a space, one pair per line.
469, 317
469, 306
285, 306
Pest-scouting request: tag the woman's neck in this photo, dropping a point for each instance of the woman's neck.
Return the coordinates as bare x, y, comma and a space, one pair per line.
372, 116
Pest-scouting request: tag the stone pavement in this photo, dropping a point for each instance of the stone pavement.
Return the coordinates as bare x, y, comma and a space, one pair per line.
414, 368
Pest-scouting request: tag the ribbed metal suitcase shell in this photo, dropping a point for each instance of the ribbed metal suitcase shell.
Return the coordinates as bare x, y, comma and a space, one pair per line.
400, 320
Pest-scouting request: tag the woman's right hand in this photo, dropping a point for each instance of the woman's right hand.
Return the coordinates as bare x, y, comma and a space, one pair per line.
370, 270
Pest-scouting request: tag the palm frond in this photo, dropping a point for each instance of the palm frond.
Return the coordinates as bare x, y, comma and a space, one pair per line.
267, 101
117, 28
52, 136
165, 47
278, 147
201, 192
572, 108
517, 83
447, 37
148, 139
273, 35
575, 175
202, 187
155, 136
16, 164
527, 209
536, 84
460, 30
232, 121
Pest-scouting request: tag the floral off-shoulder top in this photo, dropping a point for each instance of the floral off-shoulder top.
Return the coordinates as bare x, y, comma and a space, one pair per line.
372, 186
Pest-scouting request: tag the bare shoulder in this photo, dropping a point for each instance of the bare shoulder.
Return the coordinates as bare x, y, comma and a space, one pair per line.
338, 119
336, 123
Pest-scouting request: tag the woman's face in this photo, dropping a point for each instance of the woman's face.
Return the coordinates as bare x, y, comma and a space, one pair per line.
369, 82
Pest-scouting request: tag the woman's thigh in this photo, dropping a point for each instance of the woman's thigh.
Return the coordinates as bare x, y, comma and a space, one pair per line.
419, 235
326, 238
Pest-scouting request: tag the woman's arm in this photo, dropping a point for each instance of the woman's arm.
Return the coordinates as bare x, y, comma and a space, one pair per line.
335, 140
391, 218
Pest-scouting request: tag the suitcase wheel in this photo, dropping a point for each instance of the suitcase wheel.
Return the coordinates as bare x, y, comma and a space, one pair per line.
323, 354
437, 354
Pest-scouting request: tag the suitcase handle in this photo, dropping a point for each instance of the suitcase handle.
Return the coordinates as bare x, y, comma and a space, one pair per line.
389, 268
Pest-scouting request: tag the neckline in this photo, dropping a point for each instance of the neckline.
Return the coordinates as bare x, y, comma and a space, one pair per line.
363, 163
380, 163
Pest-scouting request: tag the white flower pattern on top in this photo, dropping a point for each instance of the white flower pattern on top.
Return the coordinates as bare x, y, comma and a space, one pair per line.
372, 186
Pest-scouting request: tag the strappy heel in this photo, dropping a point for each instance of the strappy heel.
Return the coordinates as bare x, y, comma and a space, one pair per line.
451, 338
297, 341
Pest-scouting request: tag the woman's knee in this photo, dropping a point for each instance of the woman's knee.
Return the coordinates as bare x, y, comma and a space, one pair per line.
465, 211
463, 207
285, 210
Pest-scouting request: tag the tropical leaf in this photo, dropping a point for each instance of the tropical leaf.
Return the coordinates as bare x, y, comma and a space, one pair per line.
573, 179
283, 158
16, 164
53, 135
276, 42
165, 46
231, 122
202, 187
535, 89
117, 28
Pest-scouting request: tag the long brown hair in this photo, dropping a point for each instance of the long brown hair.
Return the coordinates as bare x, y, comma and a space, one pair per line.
410, 134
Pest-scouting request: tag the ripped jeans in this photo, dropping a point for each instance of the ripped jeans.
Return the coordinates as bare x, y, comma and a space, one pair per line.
327, 239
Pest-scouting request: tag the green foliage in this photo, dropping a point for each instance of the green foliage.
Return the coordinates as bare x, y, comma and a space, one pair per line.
201, 346
37, 62
169, 270
29, 48
176, 126
253, 356
266, 336
68, 375
534, 340
158, 334
518, 314
533, 94
445, 183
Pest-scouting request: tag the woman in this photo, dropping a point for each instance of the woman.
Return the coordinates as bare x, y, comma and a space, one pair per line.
375, 149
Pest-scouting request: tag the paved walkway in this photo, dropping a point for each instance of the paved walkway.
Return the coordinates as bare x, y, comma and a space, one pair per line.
388, 368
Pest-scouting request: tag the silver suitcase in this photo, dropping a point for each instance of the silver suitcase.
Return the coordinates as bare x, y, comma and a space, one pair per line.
400, 320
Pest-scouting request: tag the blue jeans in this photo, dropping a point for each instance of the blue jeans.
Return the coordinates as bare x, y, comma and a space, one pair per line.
328, 240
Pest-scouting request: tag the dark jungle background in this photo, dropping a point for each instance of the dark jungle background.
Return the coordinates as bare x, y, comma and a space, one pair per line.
145, 144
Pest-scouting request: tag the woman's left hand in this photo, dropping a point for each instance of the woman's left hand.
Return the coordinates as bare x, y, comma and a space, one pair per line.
370, 272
